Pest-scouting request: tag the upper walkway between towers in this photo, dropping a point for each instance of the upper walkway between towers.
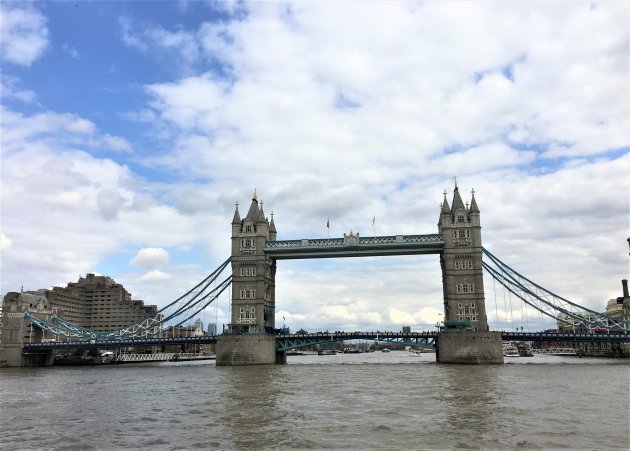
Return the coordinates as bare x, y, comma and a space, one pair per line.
355, 246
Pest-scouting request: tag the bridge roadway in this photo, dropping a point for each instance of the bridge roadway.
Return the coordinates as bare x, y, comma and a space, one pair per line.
294, 341
355, 246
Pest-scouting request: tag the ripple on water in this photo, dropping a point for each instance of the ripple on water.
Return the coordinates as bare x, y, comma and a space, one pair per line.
311, 404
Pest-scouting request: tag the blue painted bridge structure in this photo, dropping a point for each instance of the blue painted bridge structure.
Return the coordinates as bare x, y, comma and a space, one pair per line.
252, 265
296, 341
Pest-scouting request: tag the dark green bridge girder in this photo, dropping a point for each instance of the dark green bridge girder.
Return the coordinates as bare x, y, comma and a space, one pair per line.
355, 246
426, 339
415, 339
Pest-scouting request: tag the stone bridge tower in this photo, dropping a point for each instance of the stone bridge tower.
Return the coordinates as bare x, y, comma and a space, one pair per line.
462, 273
16, 330
250, 338
253, 273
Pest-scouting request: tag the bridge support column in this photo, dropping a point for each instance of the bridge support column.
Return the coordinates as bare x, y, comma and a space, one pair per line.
17, 330
466, 347
13, 356
243, 349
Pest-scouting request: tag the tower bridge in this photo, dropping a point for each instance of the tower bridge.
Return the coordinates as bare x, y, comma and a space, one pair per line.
256, 251
251, 336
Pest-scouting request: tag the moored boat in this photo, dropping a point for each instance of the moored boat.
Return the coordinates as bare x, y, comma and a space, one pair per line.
509, 350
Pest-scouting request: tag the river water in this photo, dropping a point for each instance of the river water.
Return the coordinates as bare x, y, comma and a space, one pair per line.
353, 401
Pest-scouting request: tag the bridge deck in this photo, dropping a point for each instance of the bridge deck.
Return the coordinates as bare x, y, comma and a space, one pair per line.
355, 246
297, 340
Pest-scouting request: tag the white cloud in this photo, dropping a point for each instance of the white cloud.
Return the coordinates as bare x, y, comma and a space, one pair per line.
73, 52
328, 121
116, 143
10, 88
150, 258
109, 202
5, 242
24, 34
154, 275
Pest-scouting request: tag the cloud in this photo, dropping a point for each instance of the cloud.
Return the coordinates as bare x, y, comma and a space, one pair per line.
5, 242
150, 258
330, 122
116, 143
73, 52
10, 88
24, 34
154, 275
109, 202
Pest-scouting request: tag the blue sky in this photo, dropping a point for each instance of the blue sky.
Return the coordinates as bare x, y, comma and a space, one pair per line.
130, 129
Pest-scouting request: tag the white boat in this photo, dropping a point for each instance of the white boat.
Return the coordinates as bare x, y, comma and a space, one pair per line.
509, 350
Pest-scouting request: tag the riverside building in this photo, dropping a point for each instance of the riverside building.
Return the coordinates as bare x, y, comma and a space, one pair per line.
98, 303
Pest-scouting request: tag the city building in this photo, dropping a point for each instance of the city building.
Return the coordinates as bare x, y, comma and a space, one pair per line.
569, 324
212, 329
98, 303
184, 331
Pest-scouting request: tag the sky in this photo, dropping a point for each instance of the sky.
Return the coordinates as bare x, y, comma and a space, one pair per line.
129, 130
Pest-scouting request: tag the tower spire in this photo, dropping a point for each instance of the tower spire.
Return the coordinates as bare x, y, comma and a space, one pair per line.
473, 203
237, 216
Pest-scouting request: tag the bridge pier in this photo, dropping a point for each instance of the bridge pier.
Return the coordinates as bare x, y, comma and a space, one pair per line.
16, 331
244, 349
466, 347
12, 355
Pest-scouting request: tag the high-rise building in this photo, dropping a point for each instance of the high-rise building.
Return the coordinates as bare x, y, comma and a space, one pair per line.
212, 329
98, 303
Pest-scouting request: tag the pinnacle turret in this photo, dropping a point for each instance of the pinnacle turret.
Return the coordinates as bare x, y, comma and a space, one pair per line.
445, 207
473, 204
261, 214
253, 209
237, 216
458, 204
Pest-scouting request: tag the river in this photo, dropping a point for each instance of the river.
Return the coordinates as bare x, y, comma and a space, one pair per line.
351, 401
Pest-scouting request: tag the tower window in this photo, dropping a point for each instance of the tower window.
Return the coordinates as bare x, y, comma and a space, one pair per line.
248, 271
460, 218
465, 288
248, 242
248, 294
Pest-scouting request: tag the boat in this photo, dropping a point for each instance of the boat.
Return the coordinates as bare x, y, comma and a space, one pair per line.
524, 349
385, 349
85, 358
509, 350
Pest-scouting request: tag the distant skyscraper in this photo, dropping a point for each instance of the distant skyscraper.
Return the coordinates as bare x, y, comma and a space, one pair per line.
212, 328
198, 324
406, 329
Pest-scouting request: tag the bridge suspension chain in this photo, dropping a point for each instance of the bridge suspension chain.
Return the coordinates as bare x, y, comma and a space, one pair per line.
186, 306
545, 301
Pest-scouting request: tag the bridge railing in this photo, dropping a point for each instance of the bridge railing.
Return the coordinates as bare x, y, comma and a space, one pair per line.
361, 241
